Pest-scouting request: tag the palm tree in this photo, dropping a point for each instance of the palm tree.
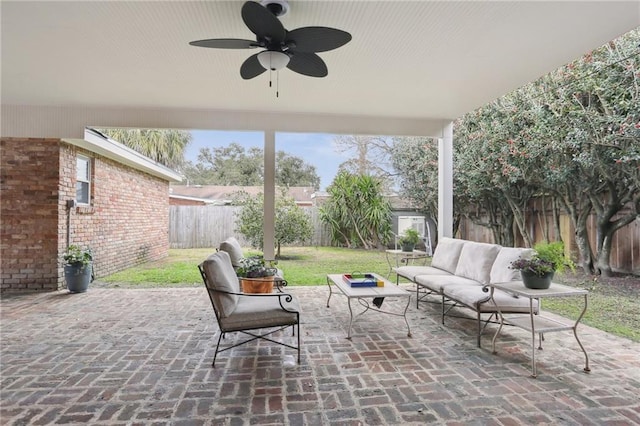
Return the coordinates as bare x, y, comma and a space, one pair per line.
166, 146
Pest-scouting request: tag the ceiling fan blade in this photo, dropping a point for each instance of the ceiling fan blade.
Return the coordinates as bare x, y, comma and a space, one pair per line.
308, 64
317, 39
251, 67
226, 43
262, 22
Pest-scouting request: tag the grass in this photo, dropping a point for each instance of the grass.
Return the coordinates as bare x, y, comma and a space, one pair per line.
610, 311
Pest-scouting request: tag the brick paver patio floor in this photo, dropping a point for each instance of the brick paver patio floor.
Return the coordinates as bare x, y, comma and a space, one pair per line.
122, 356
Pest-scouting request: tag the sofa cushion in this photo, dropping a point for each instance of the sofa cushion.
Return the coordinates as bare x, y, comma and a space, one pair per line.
501, 271
232, 246
411, 271
221, 276
438, 282
447, 253
476, 260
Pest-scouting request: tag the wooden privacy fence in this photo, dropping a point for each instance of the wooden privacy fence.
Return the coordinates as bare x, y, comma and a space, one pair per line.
207, 226
625, 247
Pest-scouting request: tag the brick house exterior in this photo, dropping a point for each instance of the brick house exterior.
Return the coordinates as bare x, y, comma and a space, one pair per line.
125, 223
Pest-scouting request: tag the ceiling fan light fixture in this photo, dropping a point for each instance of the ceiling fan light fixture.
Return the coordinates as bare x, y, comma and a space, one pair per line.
273, 60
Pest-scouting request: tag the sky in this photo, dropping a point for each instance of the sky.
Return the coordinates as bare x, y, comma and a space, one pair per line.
316, 149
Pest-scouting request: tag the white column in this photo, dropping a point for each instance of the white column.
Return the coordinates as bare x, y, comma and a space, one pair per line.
269, 194
445, 182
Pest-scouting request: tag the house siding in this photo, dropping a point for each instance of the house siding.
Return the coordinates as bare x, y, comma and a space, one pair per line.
126, 223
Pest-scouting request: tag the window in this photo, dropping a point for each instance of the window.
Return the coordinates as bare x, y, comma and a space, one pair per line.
83, 179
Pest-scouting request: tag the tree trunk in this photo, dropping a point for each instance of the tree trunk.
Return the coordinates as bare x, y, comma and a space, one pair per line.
582, 241
520, 221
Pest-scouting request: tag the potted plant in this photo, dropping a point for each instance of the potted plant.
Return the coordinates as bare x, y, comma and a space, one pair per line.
409, 239
77, 268
538, 270
255, 275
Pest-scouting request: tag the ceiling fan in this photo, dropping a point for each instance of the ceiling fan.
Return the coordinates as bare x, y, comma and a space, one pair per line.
294, 49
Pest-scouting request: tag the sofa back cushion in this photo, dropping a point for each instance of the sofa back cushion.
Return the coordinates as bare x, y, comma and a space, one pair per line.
476, 260
447, 253
501, 271
232, 246
220, 275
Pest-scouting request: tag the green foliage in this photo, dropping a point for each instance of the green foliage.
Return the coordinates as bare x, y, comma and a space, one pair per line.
553, 252
357, 213
416, 162
166, 146
233, 165
292, 224
548, 257
409, 236
572, 137
76, 255
254, 267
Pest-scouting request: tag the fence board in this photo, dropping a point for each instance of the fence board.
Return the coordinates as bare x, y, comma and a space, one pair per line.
625, 247
207, 226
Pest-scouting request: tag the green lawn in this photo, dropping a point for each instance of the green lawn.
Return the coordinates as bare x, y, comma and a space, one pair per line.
618, 314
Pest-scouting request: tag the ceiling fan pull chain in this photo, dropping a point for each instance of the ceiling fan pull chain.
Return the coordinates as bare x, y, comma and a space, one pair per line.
277, 84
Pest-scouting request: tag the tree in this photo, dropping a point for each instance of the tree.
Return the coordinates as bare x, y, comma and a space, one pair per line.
357, 213
415, 161
233, 165
166, 146
294, 171
372, 156
292, 224
573, 136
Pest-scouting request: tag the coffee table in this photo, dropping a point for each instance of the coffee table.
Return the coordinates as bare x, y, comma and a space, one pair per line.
365, 296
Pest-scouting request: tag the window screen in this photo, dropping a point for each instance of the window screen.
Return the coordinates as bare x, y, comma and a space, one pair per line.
83, 179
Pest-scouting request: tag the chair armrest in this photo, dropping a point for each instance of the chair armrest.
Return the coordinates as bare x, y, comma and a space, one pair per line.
282, 297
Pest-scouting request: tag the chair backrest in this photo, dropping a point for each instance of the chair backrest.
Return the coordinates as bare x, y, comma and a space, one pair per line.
232, 247
221, 281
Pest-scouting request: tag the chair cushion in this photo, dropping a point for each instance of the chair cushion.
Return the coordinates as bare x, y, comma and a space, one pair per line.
232, 246
501, 271
221, 276
447, 253
476, 260
256, 311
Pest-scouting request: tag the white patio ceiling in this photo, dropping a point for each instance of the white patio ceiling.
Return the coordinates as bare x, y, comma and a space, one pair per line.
411, 66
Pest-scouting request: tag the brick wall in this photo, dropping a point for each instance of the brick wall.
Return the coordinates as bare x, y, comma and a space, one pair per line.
29, 214
125, 225
128, 220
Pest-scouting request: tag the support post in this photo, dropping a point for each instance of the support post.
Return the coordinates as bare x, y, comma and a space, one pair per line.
269, 194
445, 182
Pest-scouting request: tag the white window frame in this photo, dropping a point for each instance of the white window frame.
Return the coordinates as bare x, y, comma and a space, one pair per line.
86, 179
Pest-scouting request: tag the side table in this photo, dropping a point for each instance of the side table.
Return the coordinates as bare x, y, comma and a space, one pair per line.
539, 323
396, 257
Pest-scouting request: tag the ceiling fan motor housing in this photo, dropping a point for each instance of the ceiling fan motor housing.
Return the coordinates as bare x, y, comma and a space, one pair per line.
277, 7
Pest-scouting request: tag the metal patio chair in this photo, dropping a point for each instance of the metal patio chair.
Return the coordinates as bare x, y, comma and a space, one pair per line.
244, 313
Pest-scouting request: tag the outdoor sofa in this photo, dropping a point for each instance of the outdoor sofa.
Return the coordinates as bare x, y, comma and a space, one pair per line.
459, 274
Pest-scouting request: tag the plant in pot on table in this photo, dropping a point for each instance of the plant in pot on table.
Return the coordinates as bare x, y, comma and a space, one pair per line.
409, 239
255, 275
538, 270
77, 268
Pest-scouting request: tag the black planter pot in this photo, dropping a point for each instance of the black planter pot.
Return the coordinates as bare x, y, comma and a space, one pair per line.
408, 247
536, 282
77, 277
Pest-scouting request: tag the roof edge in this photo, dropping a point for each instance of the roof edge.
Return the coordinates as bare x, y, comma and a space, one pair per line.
98, 143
